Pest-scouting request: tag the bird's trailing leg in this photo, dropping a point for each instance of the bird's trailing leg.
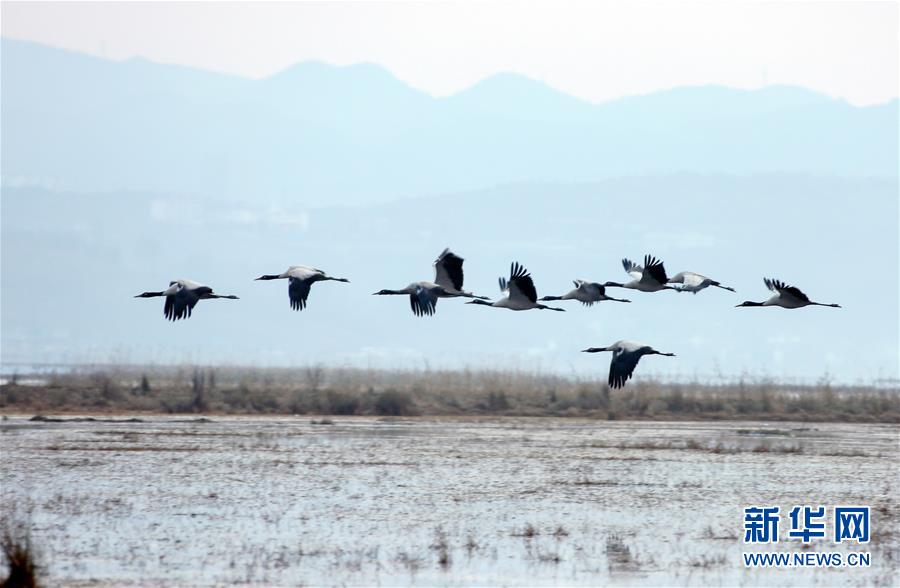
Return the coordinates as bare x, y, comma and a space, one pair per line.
617, 299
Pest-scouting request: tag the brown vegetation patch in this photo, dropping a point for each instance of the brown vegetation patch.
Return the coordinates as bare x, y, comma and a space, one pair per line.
345, 391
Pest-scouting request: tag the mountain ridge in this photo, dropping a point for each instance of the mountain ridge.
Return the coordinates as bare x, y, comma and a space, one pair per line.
318, 133
486, 81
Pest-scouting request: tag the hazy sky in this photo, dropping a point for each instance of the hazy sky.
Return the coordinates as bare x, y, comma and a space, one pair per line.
594, 50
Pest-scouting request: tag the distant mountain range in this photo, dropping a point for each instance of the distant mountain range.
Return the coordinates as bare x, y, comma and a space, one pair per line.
316, 133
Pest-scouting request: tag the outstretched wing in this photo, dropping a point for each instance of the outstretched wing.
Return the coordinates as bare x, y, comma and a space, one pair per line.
298, 292
632, 269
653, 270
784, 289
422, 301
448, 271
621, 367
180, 304
520, 283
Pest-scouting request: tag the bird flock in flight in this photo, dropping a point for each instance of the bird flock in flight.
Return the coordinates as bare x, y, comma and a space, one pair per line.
518, 292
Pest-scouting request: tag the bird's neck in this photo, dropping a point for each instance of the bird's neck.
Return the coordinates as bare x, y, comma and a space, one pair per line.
481, 302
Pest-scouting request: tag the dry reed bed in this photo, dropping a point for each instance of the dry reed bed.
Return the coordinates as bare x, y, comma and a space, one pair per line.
347, 391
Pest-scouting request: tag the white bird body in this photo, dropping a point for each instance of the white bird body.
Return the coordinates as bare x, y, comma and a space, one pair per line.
300, 279
651, 277
783, 301
301, 272
514, 302
694, 282
626, 355
519, 291
586, 293
182, 296
785, 296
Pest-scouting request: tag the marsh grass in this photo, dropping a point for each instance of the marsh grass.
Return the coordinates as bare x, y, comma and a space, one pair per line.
529, 532
19, 557
560, 532
707, 561
442, 547
719, 447
471, 545
348, 391
618, 553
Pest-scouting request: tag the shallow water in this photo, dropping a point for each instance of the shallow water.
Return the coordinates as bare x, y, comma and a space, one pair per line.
281, 501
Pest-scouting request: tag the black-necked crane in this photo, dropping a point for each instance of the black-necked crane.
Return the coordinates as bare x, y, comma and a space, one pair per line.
785, 296
626, 355
520, 292
694, 282
651, 277
586, 293
448, 283
300, 279
182, 296
423, 296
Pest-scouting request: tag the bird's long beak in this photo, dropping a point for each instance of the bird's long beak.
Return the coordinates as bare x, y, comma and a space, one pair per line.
595, 349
